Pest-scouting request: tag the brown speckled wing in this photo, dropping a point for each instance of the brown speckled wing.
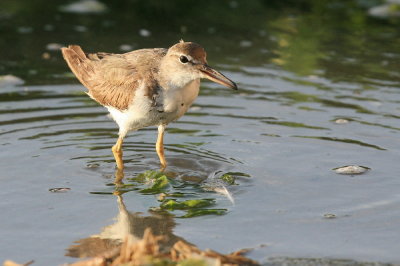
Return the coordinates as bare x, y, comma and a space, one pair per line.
111, 79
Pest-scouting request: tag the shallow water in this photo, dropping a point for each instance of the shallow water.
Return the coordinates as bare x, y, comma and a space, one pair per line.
279, 129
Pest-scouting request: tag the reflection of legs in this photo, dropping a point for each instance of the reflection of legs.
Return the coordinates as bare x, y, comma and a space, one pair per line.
117, 151
119, 176
160, 146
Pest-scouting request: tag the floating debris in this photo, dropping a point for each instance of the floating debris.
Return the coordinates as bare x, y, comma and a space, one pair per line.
54, 46
10, 80
218, 182
329, 216
351, 170
387, 10
224, 191
85, 7
92, 165
126, 47
59, 189
144, 33
341, 121
166, 186
245, 44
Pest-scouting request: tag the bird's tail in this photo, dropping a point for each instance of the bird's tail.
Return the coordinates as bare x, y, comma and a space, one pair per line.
78, 62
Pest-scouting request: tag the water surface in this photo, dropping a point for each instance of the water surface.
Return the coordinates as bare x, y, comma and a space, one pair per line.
297, 77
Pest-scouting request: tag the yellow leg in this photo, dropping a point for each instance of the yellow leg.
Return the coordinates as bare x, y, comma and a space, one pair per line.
160, 146
119, 176
117, 151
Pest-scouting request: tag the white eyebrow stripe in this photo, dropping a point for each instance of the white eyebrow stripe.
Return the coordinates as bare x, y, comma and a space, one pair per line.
195, 61
188, 57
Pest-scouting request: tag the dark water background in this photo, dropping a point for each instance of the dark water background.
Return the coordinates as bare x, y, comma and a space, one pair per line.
300, 66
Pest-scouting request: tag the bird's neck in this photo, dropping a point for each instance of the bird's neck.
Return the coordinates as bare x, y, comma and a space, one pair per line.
173, 80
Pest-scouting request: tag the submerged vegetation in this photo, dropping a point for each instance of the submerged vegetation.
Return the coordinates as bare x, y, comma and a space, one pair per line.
177, 196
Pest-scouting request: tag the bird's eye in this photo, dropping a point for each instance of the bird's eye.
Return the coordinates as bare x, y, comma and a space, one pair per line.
183, 59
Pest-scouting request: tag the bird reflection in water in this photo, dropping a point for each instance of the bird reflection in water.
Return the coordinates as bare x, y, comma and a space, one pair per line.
127, 223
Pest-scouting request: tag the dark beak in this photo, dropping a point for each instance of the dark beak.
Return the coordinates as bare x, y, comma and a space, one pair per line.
217, 77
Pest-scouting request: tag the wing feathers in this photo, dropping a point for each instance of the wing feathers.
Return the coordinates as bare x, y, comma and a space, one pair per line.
110, 78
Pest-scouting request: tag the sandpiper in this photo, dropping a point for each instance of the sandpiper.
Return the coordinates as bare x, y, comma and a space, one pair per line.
146, 87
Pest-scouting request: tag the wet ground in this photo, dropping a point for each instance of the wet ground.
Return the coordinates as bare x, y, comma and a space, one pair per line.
313, 96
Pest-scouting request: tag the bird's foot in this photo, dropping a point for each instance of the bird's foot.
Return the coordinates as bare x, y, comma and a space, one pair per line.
163, 166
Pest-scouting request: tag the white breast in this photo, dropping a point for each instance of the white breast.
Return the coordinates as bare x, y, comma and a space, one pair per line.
178, 100
174, 101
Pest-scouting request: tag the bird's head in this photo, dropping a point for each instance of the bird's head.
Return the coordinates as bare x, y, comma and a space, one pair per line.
186, 61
